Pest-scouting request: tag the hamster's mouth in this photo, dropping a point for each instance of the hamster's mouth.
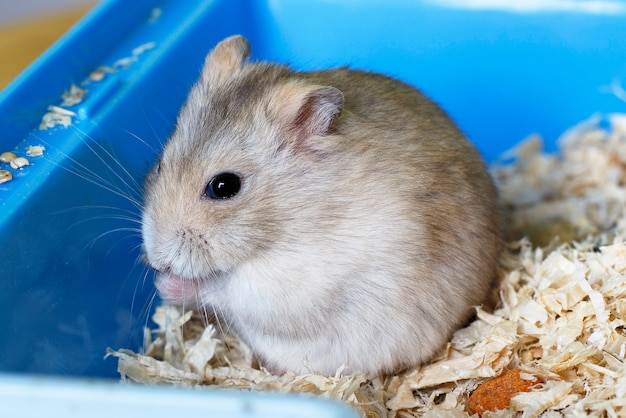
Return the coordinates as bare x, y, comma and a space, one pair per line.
178, 290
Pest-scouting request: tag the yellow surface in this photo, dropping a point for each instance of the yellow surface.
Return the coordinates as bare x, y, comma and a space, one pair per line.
22, 42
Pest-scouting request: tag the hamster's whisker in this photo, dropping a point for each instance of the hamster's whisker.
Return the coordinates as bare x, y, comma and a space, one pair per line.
149, 121
133, 186
141, 260
204, 316
218, 320
138, 259
149, 307
137, 286
90, 176
218, 312
111, 217
174, 254
132, 215
93, 241
132, 192
138, 138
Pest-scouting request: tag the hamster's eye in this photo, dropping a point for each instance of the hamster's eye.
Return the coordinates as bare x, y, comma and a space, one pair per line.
223, 186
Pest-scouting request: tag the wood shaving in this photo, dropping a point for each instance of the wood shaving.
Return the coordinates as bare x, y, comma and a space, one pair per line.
561, 314
5, 176
73, 96
56, 116
124, 63
143, 48
19, 163
60, 116
7, 157
99, 74
35, 150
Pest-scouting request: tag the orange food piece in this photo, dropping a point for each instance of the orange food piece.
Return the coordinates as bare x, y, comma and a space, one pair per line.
496, 393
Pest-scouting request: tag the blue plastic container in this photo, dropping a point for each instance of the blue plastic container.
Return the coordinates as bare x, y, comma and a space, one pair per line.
71, 279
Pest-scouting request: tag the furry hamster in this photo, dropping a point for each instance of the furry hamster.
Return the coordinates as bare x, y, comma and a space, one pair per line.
326, 218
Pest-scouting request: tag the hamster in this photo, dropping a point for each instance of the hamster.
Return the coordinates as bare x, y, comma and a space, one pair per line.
328, 218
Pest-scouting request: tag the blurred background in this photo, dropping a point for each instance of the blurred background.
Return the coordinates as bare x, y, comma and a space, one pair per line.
28, 27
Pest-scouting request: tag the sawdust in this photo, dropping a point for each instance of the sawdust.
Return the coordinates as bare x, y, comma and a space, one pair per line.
561, 316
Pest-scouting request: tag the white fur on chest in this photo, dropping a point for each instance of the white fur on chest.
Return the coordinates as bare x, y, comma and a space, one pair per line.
315, 315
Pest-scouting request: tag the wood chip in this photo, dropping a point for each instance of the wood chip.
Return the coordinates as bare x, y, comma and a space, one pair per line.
73, 96
35, 150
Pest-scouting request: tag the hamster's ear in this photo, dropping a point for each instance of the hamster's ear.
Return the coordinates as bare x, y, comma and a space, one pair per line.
225, 59
308, 111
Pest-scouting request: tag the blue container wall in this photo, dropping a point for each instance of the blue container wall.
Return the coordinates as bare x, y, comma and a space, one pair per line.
72, 282
501, 74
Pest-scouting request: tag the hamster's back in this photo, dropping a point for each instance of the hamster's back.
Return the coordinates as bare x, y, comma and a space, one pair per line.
409, 137
414, 172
